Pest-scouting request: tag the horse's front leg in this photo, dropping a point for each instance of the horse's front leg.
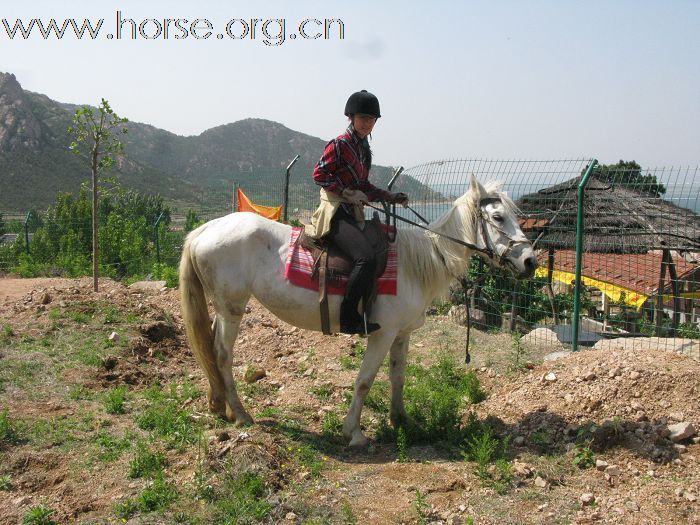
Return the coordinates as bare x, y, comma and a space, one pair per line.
397, 374
377, 348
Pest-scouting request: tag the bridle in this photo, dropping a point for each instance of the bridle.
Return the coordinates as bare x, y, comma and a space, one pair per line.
489, 249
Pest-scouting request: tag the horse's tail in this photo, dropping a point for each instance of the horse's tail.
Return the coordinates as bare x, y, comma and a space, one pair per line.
196, 316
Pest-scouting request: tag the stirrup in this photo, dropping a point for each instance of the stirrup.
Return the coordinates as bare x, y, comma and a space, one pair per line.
358, 328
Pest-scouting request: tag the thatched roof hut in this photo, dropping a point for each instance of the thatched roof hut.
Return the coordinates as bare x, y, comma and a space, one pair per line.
617, 219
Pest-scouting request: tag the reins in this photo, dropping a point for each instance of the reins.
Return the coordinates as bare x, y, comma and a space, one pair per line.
485, 251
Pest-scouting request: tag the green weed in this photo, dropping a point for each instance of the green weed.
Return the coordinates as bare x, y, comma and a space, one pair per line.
146, 463
332, 425
401, 446
323, 392
39, 515
126, 509
114, 400
7, 333
10, 431
164, 417
488, 451
111, 448
421, 507
583, 455
112, 315
157, 496
347, 514
244, 500
6, 482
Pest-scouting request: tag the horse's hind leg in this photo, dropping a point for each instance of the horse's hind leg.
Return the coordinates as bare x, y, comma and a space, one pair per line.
226, 327
397, 374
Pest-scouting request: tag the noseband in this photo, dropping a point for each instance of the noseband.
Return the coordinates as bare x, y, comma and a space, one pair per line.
489, 249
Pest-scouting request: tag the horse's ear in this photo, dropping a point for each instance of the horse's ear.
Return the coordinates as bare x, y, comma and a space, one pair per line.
476, 189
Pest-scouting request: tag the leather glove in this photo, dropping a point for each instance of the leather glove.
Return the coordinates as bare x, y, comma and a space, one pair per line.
399, 198
355, 197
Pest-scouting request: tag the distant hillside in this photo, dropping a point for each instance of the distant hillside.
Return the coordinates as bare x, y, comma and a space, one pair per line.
35, 162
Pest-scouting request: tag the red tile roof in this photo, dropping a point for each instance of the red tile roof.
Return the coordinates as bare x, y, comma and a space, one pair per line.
638, 272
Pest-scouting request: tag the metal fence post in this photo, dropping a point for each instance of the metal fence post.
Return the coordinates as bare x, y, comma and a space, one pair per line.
286, 188
157, 236
26, 231
579, 252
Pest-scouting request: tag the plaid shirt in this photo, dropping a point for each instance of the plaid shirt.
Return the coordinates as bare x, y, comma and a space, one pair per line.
343, 166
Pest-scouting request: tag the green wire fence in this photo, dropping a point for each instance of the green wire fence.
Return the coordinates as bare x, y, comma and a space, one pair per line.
618, 245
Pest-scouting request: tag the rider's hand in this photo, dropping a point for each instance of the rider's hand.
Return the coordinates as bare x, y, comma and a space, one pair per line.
355, 197
399, 198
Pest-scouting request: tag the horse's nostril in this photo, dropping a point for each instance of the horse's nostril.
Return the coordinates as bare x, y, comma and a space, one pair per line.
531, 264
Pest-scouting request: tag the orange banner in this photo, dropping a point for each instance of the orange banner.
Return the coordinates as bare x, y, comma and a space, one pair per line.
269, 212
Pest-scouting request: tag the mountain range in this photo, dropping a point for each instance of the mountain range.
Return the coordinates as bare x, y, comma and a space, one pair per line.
35, 162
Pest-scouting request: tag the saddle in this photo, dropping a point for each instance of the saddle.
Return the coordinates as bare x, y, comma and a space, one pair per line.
330, 264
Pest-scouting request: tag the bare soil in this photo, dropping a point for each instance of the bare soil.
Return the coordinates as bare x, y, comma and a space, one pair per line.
624, 400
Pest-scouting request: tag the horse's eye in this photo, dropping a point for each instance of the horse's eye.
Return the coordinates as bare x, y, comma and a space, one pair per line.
497, 217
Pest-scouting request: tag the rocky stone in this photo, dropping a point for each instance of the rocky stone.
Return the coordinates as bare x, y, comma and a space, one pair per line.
631, 506
634, 375
612, 470
45, 298
114, 337
290, 516
22, 501
587, 499
600, 464
540, 482
550, 377
589, 375
675, 416
681, 431
678, 491
614, 372
147, 286
690, 496
519, 441
253, 374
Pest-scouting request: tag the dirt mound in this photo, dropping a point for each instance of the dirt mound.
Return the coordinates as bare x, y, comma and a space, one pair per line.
618, 402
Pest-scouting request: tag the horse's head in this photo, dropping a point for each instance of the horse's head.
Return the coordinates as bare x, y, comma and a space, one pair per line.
498, 236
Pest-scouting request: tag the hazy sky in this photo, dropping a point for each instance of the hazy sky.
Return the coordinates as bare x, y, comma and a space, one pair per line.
471, 79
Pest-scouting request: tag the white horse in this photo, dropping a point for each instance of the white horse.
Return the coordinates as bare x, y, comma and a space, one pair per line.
231, 258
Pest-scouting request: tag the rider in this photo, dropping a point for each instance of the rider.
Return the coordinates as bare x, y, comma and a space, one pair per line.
342, 172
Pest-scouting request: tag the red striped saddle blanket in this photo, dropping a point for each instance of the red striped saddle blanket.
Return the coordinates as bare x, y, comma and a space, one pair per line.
300, 263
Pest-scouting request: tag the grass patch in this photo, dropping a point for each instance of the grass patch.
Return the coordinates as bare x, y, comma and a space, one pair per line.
6, 482
146, 463
435, 398
484, 447
39, 515
114, 400
111, 448
164, 417
158, 495
332, 425
244, 500
10, 430
354, 360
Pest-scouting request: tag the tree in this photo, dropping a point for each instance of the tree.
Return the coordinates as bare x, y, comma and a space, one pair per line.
629, 175
2, 225
94, 140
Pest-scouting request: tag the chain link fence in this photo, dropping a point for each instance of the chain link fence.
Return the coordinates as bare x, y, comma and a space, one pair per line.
640, 257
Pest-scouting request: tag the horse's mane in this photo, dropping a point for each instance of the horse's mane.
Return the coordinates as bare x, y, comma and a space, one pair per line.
425, 256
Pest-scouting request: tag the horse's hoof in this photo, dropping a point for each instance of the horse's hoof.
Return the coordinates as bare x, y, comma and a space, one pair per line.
359, 440
243, 420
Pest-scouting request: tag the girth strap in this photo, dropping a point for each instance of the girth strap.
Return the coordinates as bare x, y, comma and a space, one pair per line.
323, 292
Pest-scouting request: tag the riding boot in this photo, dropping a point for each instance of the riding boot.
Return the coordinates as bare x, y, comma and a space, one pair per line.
360, 279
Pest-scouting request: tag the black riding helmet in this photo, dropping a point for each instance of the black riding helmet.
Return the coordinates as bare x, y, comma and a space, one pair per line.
362, 102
